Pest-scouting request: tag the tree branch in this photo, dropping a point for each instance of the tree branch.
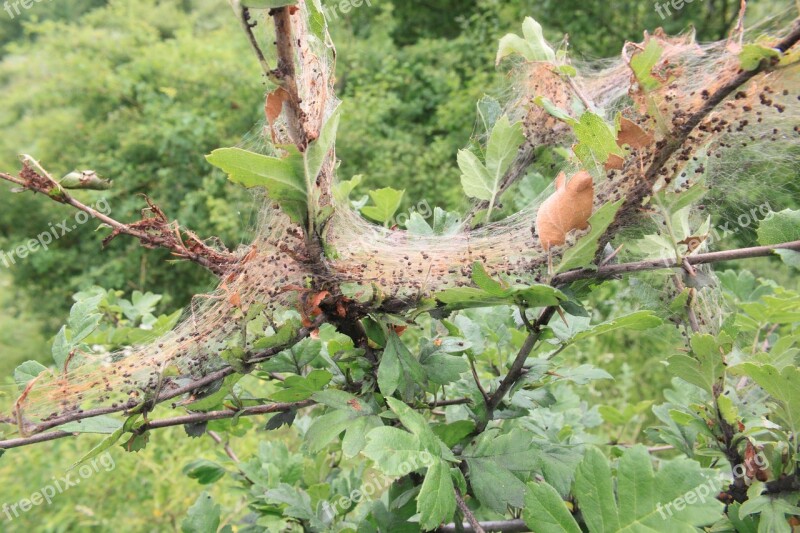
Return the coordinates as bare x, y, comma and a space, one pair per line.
609, 271
154, 231
517, 369
195, 418
467, 512
499, 526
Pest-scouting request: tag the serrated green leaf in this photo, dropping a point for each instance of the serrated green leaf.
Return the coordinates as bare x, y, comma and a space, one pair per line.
387, 201
399, 369
638, 321
779, 228
61, 348
395, 452
327, 427
582, 253
204, 471
283, 179
783, 385
203, 516
546, 512
27, 371
597, 141
298, 388
706, 369
103, 425
436, 502
532, 46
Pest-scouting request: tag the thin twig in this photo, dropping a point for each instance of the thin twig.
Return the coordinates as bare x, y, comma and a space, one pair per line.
467, 512
515, 525
610, 271
218, 262
225, 445
195, 418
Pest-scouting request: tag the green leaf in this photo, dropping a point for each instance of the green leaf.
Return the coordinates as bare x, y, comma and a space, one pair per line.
399, 369
467, 297
283, 179
532, 47
104, 445
436, 502
318, 150
103, 425
504, 144
546, 512
483, 181
492, 459
582, 253
485, 282
597, 141
27, 371
595, 492
61, 348
327, 427
387, 201
297, 501
395, 452
475, 177
643, 63
783, 385
638, 321
418, 425
452, 433
298, 388
706, 369
204, 471
84, 318
355, 438
752, 55
779, 228
557, 112
679, 497
203, 516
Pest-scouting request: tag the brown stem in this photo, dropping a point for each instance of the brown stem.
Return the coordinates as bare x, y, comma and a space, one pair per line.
218, 262
467, 512
225, 445
517, 369
195, 418
610, 271
499, 526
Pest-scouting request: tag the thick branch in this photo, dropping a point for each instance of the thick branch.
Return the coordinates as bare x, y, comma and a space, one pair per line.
169, 394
